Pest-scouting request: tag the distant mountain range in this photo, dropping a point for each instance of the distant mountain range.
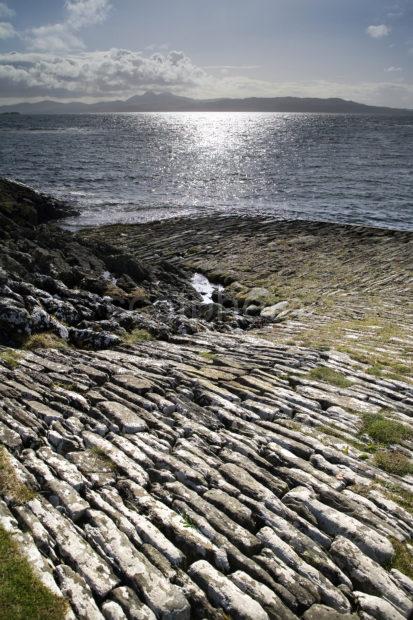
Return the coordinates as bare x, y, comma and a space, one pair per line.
167, 102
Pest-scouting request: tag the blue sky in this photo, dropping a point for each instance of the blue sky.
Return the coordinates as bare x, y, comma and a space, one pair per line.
105, 49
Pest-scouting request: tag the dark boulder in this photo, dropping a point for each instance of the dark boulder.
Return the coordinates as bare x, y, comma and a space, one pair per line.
23, 206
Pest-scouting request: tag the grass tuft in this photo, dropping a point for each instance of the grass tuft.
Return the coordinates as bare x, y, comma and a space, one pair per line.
403, 558
328, 375
45, 340
137, 335
399, 495
385, 431
22, 594
188, 522
393, 462
66, 385
334, 432
10, 484
394, 492
11, 358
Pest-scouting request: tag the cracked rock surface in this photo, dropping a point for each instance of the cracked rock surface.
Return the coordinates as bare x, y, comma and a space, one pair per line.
193, 479
208, 472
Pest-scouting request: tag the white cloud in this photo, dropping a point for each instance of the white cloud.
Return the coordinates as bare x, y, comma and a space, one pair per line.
95, 74
54, 37
393, 70
377, 32
5, 11
86, 12
118, 74
386, 93
7, 30
64, 35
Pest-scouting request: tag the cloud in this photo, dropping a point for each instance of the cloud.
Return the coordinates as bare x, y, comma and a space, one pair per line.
55, 37
233, 67
5, 11
95, 74
386, 93
83, 13
377, 32
65, 35
116, 74
393, 70
7, 30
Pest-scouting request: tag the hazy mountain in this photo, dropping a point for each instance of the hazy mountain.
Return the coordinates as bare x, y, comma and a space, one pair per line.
167, 102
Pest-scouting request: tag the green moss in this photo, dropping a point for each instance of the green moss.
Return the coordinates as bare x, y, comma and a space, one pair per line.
403, 558
11, 358
208, 355
328, 375
398, 372
399, 495
137, 335
45, 340
393, 462
380, 364
66, 385
361, 489
385, 431
22, 594
376, 370
334, 432
104, 458
329, 430
10, 484
394, 492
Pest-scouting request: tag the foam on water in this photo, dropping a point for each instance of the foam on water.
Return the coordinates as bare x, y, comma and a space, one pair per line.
204, 287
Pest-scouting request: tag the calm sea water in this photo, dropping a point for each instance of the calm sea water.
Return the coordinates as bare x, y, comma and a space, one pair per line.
139, 167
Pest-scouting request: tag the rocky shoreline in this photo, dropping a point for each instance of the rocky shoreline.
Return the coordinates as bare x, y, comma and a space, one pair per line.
168, 452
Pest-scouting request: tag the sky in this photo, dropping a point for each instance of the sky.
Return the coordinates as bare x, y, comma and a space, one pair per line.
93, 50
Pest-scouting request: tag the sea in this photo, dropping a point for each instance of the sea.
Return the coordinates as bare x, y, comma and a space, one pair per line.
353, 169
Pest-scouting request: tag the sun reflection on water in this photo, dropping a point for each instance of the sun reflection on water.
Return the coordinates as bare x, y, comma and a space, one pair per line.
133, 167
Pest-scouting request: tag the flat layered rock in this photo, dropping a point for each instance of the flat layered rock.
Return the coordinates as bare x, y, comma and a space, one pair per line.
165, 599
135, 384
127, 419
225, 594
240, 498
